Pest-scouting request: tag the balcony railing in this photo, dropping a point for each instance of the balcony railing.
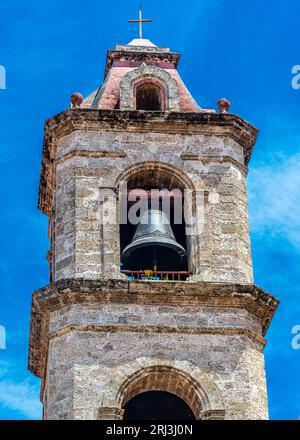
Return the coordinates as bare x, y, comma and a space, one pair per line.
156, 275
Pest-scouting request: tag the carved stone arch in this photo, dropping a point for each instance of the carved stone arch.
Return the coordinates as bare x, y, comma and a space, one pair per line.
147, 73
181, 378
176, 175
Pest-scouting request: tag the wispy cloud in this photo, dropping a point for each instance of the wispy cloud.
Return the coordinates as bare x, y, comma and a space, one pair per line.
4, 368
21, 397
274, 187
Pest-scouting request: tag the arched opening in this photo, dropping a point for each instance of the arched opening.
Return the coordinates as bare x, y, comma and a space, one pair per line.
155, 240
155, 82
149, 96
176, 386
157, 405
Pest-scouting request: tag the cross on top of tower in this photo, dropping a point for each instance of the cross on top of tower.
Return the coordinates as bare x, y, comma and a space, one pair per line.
140, 21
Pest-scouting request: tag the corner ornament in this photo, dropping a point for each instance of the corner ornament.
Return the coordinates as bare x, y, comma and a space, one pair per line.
223, 105
76, 100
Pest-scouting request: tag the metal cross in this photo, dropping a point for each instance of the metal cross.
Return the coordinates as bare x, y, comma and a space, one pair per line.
140, 21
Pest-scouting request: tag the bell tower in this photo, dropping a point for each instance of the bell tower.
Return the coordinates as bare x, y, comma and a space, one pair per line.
151, 310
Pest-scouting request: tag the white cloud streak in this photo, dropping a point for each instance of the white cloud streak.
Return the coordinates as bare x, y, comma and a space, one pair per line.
22, 397
274, 198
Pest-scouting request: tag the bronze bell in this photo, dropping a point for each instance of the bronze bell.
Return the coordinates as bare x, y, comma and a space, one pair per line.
153, 244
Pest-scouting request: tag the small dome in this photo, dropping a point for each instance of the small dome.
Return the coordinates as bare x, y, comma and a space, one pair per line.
141, 42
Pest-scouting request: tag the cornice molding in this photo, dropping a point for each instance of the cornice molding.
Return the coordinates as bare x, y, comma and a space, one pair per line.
68, 292
63, 124
151, 54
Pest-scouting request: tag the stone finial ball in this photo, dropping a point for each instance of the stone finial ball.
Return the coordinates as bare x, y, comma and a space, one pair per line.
76, 100
223, 105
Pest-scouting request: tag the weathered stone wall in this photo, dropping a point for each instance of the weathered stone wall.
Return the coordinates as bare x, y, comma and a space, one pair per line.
96, 344
88, 163
63, 238
96, 361
140, 315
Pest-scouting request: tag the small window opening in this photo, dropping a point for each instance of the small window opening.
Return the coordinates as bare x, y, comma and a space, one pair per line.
148, 97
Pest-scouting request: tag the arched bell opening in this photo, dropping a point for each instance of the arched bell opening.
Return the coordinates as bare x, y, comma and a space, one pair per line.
149, 96
157, 405
153, 229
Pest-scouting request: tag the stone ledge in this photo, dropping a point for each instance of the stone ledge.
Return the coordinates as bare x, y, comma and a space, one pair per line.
110, 413
218, 159
67, 292
214, 124
213, 415
90, 154
120, 328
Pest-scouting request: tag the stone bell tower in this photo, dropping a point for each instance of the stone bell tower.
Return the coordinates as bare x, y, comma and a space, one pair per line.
112, 337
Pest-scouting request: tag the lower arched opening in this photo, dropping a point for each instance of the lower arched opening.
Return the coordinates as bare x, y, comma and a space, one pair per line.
157, 405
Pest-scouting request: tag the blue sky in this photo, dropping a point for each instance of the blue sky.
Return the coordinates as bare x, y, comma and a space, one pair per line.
241, 50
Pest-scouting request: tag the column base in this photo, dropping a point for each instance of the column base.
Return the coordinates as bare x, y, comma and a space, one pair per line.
110, 413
